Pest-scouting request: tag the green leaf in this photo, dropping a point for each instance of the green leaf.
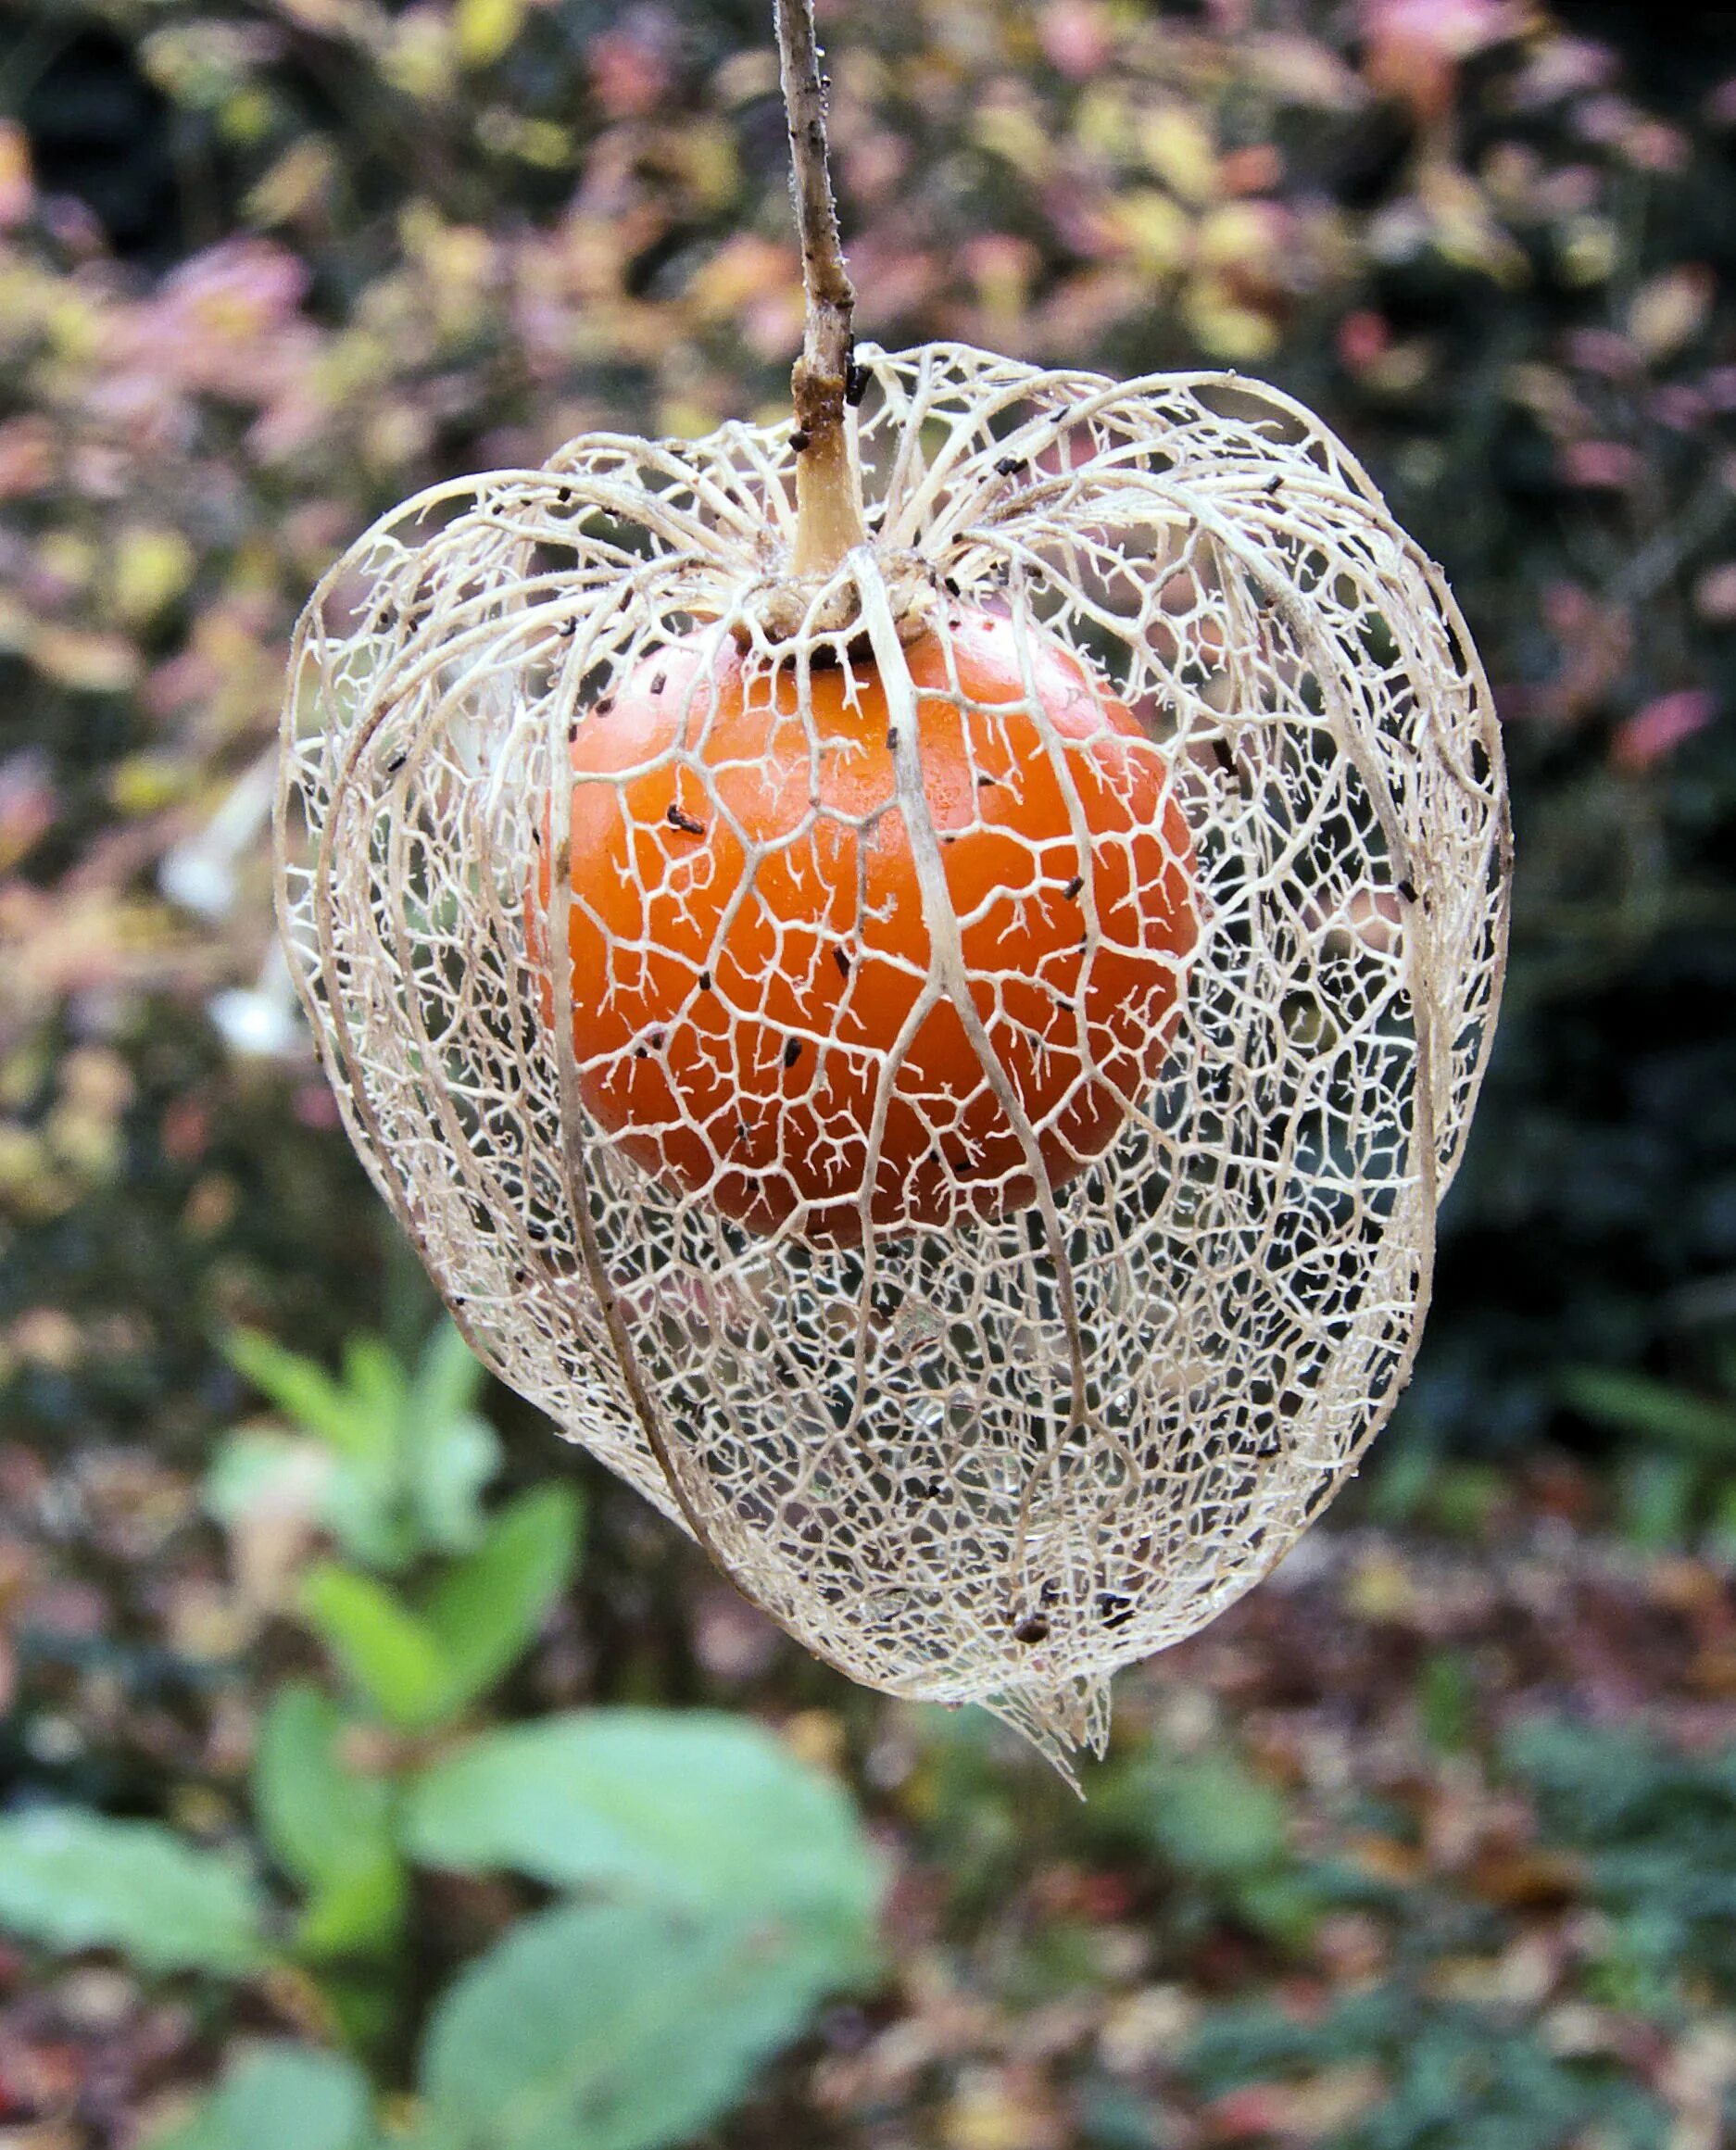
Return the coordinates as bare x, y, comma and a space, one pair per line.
485, 1611
376, 1383
73, 1880
701, 1811
1632, 1403
1288, 1908
280, 2097
608, 2027
392, 1657
354, 1915
1207, 1814
306, 1392
358, 1422
449, 1462
448, 1376
363, 1509
1655, 1498
1211, 1818
411, 1455
328, 1825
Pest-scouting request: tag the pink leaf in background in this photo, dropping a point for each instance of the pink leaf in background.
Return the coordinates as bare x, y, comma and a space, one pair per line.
1603, 464
1414, 46
1661, 726
1076, 38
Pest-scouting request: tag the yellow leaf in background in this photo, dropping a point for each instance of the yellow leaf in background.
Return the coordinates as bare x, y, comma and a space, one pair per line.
486, 29
1400, 371
1223, 327
1588, 248
456, 261
22, 1160
1014, 133
685, 418
146, 783
1236, 235
708, 163
543, 143
1102, 122
993, 2111
83, 1142
75, 324
746, 76
68, 558
1003, 270
294, 185
818, 1737
1302, 71
744, 268
357, 360
395, 437
1176, 145
247, 117
92, 663
417, 60
150, 568
1158, 231
1380, 1588
255, 569
1548, 395
1466, 229
458, 255
1669, 312
455, 256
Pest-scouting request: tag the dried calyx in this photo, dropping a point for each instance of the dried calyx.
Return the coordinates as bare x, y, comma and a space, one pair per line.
787, 1058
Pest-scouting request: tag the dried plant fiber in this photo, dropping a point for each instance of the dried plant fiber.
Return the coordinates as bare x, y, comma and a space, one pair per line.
993, 1455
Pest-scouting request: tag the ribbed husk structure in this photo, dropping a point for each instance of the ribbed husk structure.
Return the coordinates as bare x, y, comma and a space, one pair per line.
994, 1457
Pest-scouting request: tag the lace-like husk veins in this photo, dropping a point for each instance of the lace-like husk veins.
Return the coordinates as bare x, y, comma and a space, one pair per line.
996, 1461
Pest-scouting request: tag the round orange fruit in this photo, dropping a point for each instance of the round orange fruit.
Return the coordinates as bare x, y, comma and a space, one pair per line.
760, 1013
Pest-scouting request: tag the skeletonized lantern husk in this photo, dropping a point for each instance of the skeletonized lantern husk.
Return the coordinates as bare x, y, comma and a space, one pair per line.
992, 1455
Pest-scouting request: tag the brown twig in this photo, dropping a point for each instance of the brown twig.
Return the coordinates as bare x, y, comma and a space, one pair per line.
828, 490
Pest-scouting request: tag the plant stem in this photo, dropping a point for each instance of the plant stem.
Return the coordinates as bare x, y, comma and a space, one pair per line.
828, 489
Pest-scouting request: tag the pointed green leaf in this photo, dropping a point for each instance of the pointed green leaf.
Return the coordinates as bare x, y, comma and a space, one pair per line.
448, 1376
448, 1463
306, 1392
375, 1381
608, 2027
280, 2097
1634, 1403
451, 1453
329, 1825
71, 1880
485, 1611
393, 1658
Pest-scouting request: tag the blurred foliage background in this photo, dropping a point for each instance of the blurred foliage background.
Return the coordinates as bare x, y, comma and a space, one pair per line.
1351, 1876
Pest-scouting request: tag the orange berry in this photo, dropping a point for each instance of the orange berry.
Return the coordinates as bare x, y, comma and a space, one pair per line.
750, 952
